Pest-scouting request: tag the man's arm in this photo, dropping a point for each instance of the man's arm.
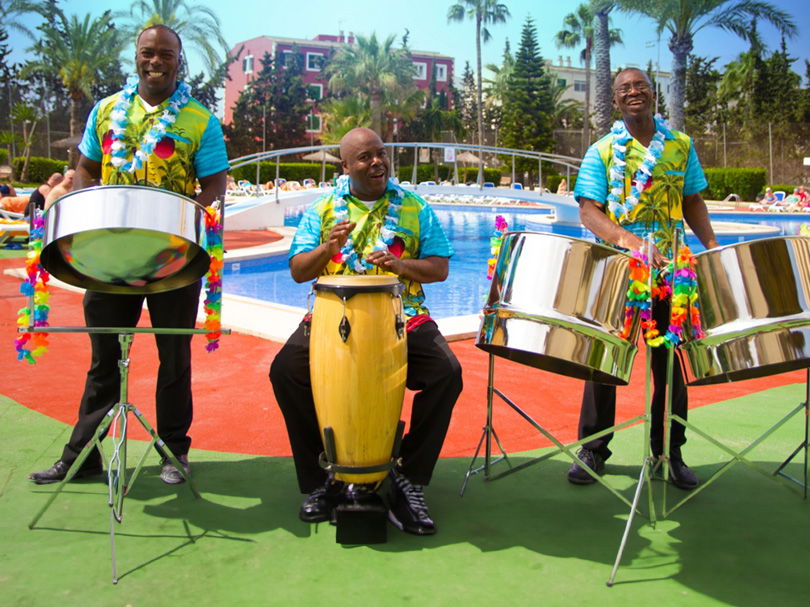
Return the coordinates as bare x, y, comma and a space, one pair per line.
308, 265
212, 187
425, 270
697, 216
88, 173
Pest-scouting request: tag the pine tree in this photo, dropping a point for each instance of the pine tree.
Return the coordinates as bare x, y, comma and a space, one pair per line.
527, 110
469, 105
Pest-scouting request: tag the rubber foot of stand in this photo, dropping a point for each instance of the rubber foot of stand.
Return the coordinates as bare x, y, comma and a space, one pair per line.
362, 522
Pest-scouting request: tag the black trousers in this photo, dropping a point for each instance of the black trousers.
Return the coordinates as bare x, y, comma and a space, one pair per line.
599, 401
433, 371
173, 402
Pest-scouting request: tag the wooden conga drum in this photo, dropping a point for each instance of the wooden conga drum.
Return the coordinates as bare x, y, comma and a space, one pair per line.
358, 363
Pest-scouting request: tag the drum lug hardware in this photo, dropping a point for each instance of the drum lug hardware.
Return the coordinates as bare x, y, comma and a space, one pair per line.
344, 328
399, 325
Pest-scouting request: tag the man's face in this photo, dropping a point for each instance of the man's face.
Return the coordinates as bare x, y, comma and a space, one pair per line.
364, 158
157, 59
633, 94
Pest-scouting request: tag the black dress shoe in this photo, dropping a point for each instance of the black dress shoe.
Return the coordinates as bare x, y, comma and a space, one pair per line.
321, 503
578, 475
59, 470
681, 476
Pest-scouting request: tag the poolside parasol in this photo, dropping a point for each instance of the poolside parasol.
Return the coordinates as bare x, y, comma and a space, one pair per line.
324, 157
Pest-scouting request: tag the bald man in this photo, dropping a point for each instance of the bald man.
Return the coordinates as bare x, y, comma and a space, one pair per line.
415, 248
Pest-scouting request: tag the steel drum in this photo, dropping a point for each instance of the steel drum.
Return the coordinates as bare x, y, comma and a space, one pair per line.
754, 300
125, 239
558, 304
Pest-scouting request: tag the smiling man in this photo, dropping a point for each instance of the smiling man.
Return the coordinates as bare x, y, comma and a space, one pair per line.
151, 133
622, 204
370, 225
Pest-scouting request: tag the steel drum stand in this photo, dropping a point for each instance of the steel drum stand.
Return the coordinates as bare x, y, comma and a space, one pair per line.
739, 456
118, 484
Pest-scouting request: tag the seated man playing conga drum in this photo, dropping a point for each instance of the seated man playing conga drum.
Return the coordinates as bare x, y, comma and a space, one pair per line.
622, 204
369, 225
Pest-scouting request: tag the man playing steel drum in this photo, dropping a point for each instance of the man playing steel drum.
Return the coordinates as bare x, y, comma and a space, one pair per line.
624, 215
151, 133
417, 251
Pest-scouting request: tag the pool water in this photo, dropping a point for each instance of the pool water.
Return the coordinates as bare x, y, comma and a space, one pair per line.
469, 229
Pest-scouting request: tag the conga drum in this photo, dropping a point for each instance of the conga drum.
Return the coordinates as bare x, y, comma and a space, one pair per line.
558, 304
754, 300
125, 239
358, 363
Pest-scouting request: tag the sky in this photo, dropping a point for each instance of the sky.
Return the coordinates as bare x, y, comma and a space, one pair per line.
426, 22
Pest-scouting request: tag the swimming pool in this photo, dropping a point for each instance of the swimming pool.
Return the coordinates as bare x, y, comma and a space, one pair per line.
469, 228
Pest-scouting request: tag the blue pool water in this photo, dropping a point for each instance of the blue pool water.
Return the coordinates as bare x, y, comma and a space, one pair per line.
469, 228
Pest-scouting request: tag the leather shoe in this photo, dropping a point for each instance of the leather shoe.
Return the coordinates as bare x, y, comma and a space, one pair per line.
321, 503
578, 475
171, 475
59, 470
681, 476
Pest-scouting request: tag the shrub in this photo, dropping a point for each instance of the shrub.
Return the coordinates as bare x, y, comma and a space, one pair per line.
425, 172
745, 182
39, 168
3, 156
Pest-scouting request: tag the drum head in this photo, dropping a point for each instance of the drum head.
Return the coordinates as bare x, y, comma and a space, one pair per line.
125, 239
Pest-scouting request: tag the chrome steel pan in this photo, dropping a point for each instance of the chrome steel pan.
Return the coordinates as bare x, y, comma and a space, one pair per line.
755, 305
125, 239
557, 303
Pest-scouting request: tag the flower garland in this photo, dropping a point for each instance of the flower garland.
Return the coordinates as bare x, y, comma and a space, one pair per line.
178, 100
213, 279
641, 180
683, 304
347, 253
35, 284
495, 244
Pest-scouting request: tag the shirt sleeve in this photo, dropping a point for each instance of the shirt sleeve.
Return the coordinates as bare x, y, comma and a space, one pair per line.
592, 179
694, 181
90, 146
308, 234
211, 157
433, 240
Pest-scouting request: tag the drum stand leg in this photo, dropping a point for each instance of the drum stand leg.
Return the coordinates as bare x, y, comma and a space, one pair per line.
803, 446
117, 484
647, 468
487, 435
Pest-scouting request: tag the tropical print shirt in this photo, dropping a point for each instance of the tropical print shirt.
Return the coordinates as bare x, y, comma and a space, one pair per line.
192, 147
418, 235
660, 208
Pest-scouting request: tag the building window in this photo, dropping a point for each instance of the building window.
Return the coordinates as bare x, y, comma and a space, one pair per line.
421, 70
314, 92
561, 82
313, 123
314, 62
441, 73
579, 86
247, 64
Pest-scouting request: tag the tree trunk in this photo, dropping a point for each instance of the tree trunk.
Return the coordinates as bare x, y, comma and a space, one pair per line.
28, 140
376, 112
603, 98
680, 47
586, 123
478, 18
74, 127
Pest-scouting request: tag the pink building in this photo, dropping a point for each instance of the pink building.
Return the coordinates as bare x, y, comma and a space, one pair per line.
315, 52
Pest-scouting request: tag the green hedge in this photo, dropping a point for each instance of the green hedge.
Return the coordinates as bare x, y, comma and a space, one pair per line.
553, 182
39, 169
745, 182
291, 171
783, 187
3, 156
425, 172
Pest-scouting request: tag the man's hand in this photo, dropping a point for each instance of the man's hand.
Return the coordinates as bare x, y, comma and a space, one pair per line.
338, 236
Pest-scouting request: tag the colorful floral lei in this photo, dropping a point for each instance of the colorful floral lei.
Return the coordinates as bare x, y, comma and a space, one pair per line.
347, 253
178, 100
35, 284
683, 305
495, 244
621, 137
213, 279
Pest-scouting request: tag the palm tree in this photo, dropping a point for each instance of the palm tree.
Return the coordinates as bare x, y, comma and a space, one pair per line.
374, 70
76, 51
342, 115
483, 12
578, 29
197, 25
603, 95
12, 10
684, 18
